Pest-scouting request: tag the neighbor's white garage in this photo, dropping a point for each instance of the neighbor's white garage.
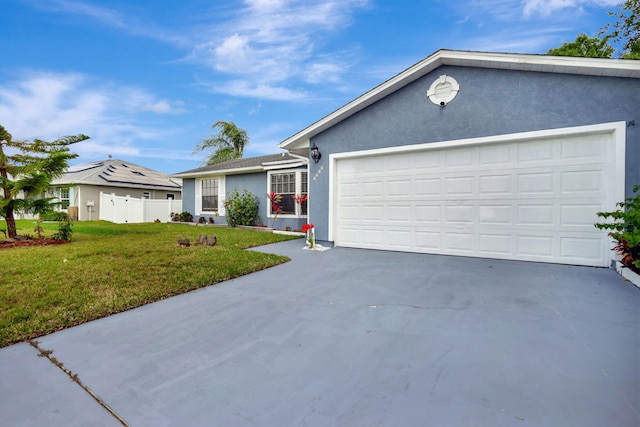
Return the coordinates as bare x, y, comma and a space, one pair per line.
529, 197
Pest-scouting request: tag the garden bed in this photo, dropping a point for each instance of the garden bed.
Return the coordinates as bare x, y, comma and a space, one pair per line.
628, 274
43, 241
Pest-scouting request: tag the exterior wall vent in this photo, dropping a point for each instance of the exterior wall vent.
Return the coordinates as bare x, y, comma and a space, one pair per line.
443, 90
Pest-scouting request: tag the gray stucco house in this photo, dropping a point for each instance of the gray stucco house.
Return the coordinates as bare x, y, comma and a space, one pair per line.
479, 154
206, 188
78, 190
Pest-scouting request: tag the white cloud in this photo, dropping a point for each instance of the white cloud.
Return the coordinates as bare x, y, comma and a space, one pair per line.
323, 72
50, 105
137, 100
547, 7
249, 89
273, 41
130, 20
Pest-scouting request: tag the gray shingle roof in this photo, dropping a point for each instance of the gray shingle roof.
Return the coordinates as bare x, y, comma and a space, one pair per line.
242, 163
117, 173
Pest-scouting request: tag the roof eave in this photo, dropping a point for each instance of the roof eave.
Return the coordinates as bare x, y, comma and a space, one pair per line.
231, 171
509, 61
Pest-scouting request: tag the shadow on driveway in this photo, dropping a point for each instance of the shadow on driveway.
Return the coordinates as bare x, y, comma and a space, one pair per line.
351, 337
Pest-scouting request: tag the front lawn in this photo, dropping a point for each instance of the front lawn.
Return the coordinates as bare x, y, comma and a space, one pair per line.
109, 268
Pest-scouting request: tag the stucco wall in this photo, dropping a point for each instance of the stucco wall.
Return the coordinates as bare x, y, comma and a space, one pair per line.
490, 102
189, 195
83, 193
256, 184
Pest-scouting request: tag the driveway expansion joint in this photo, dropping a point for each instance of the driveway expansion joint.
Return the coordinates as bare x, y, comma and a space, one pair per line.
74, 377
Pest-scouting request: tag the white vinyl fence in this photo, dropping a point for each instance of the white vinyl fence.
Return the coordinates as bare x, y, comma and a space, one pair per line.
125, 209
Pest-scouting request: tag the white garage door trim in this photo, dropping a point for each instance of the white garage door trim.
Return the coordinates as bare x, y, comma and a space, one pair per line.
615, 133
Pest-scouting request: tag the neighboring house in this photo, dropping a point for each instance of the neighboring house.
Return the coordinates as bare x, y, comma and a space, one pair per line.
480, 154
206, 188
82, 184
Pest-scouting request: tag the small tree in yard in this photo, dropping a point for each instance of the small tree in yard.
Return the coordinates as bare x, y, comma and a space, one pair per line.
26, 170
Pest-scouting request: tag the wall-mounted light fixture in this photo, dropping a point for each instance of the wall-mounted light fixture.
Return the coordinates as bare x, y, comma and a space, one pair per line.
315, 153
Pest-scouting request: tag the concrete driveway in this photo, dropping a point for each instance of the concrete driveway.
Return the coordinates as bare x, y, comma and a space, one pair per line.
350, 338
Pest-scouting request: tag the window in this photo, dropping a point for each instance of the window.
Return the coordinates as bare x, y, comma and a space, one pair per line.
284, 184
289, 184
63, 198
210, 195
304, 190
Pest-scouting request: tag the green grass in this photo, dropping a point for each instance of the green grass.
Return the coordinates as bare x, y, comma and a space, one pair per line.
109, 268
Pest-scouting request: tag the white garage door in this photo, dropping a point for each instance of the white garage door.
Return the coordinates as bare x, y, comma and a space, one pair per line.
532, 200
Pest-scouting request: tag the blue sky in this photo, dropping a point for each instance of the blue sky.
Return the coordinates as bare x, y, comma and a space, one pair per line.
146, 79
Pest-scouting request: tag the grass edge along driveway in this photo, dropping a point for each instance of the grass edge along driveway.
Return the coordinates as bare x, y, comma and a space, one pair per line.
109, 268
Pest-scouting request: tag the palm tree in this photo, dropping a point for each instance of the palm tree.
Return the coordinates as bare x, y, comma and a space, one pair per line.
228, 143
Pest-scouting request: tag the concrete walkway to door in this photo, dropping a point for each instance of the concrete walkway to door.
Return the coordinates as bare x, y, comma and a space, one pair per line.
350, 337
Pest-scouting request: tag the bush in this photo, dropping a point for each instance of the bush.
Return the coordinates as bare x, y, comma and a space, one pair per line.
55, 216
64, 231
625, 230
182, 217
242, 209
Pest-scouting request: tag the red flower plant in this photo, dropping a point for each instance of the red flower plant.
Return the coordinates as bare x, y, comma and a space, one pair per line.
300, 199
276, 207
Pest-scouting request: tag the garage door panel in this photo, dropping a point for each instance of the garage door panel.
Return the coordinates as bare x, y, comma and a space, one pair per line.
537, 182
373, 237
535, 151
496, 184
534, 200
399, 163
428, 187
459, 157
427, 160
373, 189
399, 214
540, 246
349, 213
580, 248
454, 214
372, 213
489, 214
459, 242
579, 214
535, 214
589, 147
351, 190
584, 181
462, 185
372, 165
427, 213
428, 241
399, 239
494, 244
399, 188
494, 155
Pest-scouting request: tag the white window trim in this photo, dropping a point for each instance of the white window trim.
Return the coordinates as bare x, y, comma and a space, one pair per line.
56, 193
221, 195
298, 191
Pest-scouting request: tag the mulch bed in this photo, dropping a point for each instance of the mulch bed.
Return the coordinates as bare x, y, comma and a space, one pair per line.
44, 241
